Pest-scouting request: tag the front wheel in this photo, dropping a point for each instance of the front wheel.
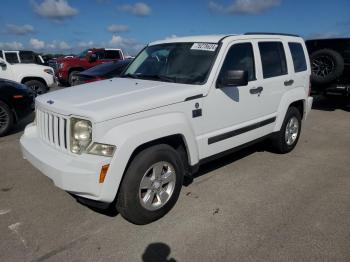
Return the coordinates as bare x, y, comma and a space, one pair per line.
151, 185
287, 138
37, 86
6, 119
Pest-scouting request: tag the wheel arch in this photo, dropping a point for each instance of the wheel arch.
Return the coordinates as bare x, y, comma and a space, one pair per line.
296, 98
29, 78
176, 141
133, 137
11, 107
75, 68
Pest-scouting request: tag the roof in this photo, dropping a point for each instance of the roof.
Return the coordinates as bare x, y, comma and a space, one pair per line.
197, 38
218, 38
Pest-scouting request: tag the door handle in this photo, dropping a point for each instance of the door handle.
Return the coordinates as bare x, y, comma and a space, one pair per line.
289, 82
257, 90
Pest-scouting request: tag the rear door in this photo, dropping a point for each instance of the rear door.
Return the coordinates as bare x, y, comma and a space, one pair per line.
107, 55
113, 55
300, 73
275, 75
6, 72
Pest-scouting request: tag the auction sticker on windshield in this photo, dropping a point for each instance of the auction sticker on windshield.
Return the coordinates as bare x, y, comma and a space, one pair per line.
204, 47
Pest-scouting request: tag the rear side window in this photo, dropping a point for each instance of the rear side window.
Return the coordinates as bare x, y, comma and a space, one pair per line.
11, 58
240, 57
26, 57
273, 59
1, 54
112, 54
100, 54
298, 56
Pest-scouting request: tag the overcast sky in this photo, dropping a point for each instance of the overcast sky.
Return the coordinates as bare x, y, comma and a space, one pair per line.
72, 25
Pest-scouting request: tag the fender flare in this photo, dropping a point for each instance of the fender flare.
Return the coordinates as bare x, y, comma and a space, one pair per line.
129, 136
34, 78
288, 98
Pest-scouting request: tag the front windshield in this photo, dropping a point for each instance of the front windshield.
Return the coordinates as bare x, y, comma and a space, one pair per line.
187, 63
83, 54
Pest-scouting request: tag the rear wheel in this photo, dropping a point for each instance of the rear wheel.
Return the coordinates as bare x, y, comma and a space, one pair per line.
287, 138
6, 119
151, 185
37, 86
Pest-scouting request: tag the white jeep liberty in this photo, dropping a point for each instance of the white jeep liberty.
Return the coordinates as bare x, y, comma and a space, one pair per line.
179, 103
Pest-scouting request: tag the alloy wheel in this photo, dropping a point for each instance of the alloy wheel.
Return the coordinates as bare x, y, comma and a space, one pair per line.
157, 186
4, 119
292, 131
322, 66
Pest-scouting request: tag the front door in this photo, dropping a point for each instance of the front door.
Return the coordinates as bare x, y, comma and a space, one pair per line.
5, 70
235, 115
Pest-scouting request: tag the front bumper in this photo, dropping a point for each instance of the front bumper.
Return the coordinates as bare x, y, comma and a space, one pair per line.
77, 174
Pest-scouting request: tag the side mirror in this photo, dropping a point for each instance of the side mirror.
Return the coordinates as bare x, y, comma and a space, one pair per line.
92, 58
3, 64
233, 78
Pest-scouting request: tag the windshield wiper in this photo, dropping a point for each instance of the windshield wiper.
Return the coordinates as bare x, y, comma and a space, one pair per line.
158, 77
128, 75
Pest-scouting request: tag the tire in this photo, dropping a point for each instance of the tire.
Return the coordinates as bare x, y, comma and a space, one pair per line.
281, 143
132, 199
6, 119
71, 77
37, 86
327, 65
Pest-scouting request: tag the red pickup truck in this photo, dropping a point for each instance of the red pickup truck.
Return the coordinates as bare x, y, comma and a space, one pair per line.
67, 68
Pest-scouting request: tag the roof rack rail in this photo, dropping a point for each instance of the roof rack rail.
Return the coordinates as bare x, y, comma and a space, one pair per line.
264, 33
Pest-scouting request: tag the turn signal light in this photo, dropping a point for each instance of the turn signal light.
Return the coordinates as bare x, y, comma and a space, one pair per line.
103, 173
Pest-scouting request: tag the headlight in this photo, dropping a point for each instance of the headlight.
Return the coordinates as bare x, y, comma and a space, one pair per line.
81, 135
49, 71
60, 65
101, 149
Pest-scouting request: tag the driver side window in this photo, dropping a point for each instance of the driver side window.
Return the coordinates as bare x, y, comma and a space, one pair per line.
240, 57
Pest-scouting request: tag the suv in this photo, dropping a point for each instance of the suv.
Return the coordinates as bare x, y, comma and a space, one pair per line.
330, 64
181, 102
38, 77
67, 68
25, 57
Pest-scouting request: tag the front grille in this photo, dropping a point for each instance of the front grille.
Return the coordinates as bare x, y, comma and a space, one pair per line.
53, 129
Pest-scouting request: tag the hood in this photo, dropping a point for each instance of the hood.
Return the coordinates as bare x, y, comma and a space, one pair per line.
30, 66
70, 59
117, 97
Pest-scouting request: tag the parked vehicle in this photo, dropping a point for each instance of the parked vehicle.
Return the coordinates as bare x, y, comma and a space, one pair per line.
181, 102
101, 72
16, 102
25, 57
39, 78
67, 68
330, 64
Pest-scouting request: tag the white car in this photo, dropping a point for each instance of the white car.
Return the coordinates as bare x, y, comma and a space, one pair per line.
181, 102
27, 57
38, 77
